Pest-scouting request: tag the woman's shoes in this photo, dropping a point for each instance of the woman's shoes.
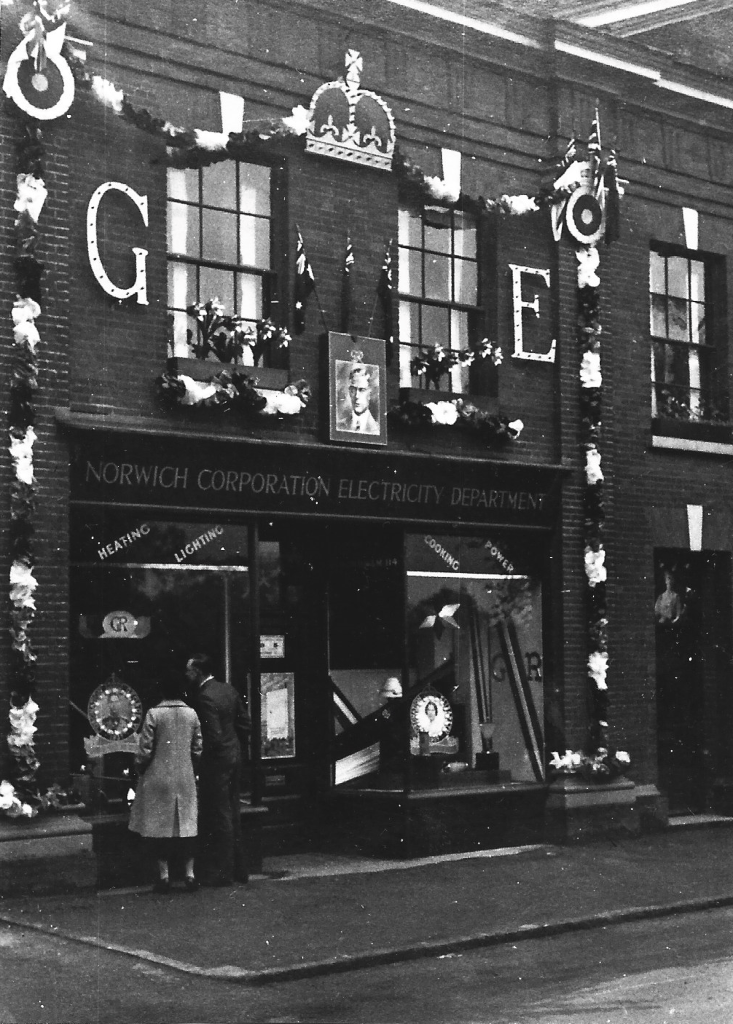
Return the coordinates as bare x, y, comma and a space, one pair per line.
190, 884
162, 886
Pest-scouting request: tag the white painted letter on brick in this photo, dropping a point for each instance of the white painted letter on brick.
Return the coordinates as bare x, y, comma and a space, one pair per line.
139, 286
519, 305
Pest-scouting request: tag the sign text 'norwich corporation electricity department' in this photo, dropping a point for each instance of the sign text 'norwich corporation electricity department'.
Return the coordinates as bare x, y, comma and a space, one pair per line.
325, 483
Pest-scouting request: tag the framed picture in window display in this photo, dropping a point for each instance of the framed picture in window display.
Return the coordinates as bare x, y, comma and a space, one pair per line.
356, 385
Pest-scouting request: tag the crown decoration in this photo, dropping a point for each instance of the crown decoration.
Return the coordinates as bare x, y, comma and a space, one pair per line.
351, 123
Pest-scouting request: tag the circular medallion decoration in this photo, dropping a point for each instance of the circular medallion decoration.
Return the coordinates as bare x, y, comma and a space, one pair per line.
584, 216
115, 711
431, 713
45, 94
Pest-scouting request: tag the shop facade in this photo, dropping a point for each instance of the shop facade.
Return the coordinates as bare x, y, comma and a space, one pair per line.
339, 402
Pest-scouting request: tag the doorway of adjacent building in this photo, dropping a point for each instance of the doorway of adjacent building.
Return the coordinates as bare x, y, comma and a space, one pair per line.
692, 614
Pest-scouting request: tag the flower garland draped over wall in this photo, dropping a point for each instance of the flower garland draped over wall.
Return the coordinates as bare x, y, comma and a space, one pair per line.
31, 195
591, 381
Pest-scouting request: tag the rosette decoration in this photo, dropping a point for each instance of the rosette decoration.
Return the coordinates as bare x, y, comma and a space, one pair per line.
30, 197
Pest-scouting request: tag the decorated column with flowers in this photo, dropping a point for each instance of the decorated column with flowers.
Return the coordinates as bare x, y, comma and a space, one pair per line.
15, 796
586, 210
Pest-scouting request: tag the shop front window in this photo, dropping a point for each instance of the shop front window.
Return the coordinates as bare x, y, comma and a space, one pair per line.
451, 682
147, 594
475, 653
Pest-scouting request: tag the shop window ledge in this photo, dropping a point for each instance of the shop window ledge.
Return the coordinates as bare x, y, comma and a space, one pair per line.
268, 377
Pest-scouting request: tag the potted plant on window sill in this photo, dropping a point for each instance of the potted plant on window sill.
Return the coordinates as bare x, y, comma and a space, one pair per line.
433, 363
227, 342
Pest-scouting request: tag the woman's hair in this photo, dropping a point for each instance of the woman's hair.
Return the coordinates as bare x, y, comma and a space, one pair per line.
170, 686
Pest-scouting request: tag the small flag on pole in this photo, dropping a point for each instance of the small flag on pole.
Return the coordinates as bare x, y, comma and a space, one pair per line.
594, 150
384, 291
613, 212
346, 287
305, 283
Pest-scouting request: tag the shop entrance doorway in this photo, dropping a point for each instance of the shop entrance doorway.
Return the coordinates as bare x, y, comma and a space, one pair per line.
692, 615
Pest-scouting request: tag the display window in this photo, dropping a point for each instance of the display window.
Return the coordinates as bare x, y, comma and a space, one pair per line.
474, 629
465, 690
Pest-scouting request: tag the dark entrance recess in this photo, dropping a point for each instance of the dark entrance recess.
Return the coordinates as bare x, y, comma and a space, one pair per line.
693, 666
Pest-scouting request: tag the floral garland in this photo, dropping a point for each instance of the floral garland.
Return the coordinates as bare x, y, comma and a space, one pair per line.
492, 428
199, 147
603, 764
195, 147
31, 195
591, 382
233, 389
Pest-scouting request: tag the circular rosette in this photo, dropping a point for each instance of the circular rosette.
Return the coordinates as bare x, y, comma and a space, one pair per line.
44, 94
115, 711
431, 714
584, 216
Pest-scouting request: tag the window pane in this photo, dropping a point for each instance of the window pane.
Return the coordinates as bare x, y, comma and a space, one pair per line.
464, 239
677, 276
656, 273
254, 189
435, 326
410, 228
183, 184
219, 185
678, 319
181, 285
219, 242
658, 310
254, 242
697, 323
459, 341
410, 279
181, 330
465, 283
183, 230
409, 317
217, 284
409, 323
437, 231
697, 281
250, 296
677, 369
437, 277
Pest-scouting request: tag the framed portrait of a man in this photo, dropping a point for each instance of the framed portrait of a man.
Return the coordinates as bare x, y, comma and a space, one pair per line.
357, 389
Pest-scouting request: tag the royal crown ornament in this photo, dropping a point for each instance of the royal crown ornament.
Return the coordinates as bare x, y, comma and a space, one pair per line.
350, 123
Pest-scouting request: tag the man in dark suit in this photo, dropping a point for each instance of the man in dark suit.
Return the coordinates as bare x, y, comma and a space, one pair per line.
225, 724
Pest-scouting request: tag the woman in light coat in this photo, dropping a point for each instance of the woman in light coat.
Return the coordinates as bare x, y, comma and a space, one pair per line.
165, 808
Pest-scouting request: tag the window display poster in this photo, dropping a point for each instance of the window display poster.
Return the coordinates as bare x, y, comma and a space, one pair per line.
278, 714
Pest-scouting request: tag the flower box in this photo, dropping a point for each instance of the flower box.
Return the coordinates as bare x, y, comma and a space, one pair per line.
721, 432
270, 377
424, 395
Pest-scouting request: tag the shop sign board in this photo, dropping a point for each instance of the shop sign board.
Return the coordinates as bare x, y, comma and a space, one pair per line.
305, 480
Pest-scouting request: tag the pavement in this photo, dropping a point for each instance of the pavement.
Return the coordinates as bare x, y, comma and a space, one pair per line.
312, 914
